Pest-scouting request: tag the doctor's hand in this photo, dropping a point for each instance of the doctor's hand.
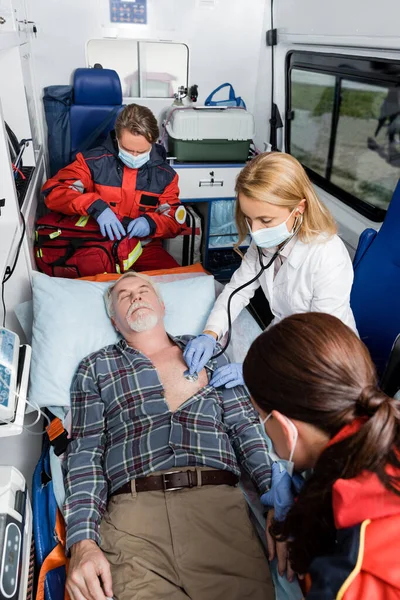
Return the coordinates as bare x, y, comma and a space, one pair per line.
89, 573
138, 228
283, 490
199, 351
278, 549
280, 497
110, 225
228, 376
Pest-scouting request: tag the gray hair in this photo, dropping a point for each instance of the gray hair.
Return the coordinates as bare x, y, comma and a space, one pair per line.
108, 293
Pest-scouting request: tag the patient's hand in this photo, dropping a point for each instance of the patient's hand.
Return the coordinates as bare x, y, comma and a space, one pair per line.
87, 565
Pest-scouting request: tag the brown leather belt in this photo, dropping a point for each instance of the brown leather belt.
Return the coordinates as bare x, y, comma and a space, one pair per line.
178, 480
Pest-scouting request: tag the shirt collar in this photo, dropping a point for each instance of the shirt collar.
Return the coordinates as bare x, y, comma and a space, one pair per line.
180, 340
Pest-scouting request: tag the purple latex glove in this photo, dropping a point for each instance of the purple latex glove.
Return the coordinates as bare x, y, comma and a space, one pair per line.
198, 352
110, 225
139, 228
229, 376
282, 492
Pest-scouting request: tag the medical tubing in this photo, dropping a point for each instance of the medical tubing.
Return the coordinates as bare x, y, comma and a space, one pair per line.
263, 268
33, 405
236, 291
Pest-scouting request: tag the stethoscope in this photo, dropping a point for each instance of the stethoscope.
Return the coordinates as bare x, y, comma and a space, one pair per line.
263, 267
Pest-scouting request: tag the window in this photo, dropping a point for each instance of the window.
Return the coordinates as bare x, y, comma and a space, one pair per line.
343, 124
146, 69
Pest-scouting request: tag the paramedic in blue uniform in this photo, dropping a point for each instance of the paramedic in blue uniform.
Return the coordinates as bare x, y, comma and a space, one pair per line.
127, 186
277, 205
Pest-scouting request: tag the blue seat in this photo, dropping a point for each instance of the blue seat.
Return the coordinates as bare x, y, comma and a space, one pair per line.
97, 102
375, 297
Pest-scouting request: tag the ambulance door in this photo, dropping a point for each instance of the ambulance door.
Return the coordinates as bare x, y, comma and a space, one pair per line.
336, 87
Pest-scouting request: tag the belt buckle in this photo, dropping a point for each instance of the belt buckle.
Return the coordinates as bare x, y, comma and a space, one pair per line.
180, 487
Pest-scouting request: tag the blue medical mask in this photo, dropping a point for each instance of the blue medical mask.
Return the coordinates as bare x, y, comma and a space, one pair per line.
134, 162
284, 464
269, 237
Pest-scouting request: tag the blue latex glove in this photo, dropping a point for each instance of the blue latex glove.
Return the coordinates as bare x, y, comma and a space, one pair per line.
228, 375
110, 225
138, 228
198, 352
283, 491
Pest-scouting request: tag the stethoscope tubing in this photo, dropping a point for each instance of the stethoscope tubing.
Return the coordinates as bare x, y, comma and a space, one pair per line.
244, 285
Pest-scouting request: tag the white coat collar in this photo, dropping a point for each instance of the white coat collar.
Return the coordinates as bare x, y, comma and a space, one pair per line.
294, 252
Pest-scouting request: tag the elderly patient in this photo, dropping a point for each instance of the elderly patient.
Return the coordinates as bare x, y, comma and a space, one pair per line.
152, 506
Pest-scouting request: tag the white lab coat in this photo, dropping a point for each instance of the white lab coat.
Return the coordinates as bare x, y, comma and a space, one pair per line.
314, 277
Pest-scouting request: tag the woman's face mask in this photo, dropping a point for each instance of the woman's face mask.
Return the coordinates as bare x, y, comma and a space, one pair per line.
269, 237
134, 162
286, 464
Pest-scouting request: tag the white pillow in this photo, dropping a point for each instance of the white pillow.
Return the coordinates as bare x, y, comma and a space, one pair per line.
70, 322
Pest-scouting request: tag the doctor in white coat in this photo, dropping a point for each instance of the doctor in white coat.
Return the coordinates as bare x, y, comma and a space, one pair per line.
277, 204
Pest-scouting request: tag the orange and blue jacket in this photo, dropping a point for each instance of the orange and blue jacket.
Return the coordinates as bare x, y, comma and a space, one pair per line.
366, 562
98, 179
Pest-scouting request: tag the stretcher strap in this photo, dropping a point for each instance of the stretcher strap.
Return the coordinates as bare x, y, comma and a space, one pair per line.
58, 436
55, 429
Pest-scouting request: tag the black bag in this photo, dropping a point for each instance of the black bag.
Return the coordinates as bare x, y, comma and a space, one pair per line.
186, 247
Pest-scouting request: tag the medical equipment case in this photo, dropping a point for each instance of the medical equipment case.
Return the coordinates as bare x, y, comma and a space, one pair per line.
209, 134
16, 574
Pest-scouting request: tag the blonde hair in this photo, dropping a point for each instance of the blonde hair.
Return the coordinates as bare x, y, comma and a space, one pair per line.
280, 179
108, 293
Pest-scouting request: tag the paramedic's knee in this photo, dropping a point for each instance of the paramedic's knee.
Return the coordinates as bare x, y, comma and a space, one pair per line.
89, 574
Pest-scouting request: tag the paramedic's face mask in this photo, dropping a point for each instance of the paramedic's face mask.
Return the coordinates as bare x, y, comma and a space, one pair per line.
288, 464
134, 150
269, 225
136, 305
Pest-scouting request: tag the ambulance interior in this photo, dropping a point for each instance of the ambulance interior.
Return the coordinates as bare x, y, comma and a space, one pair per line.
320, 81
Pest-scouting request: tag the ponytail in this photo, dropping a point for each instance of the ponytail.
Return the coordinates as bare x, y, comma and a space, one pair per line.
374, 447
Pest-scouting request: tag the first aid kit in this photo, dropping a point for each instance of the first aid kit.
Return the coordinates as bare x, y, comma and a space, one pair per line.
210, 134
73, 246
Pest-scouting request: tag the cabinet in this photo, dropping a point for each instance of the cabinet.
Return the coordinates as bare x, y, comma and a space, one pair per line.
19, 109
13, 23
211, 189
18, 194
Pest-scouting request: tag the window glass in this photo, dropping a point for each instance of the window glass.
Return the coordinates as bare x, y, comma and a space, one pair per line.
120, 55
163, 69
367, 159
146, 69
343, 124
312, 101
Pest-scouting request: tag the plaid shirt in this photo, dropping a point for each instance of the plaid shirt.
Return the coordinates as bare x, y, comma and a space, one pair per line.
122, 429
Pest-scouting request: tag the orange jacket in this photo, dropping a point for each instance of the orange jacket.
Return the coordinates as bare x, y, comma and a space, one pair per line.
98, 179
366, 563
